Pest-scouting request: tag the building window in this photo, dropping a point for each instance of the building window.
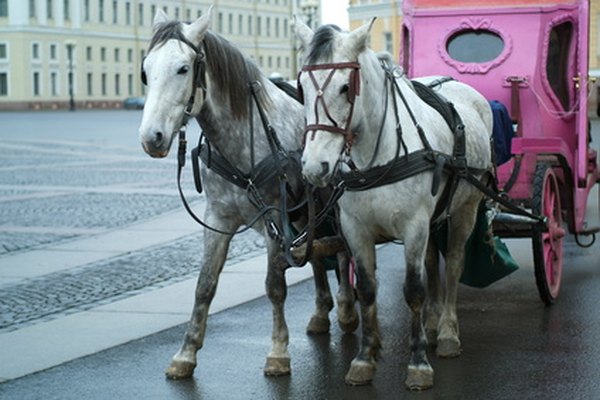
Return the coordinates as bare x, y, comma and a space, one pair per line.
53, 52
49, 9
3, 51
3, 8
152, 11
53, 83
128, 13
177, 13
103, 84
230, 23
141, 14
249, 25
36, 83
130, 85
86, 10
101, 10
32, 10
276, 27
268, 26
258, 26
188, 15
88, 53
115, 10
35, 51
102, 53
220, 23
117, 84
240, 23
66, 10
117, 55
90, 84
389, 43
3, 84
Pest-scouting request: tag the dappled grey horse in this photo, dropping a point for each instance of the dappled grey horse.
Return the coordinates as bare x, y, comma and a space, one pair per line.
363, 118
193, 73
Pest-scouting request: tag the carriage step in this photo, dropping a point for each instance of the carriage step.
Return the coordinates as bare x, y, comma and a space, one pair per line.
511, 219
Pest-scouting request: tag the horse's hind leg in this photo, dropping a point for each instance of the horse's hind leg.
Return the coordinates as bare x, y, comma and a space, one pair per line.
319, 322
433, 308
420, 373
215, 252
278, 359
461, 226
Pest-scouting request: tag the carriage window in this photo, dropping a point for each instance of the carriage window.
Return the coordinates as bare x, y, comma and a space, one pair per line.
474, 46
557, 63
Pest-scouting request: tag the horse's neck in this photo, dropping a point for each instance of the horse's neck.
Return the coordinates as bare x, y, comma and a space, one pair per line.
244, 140
378, 141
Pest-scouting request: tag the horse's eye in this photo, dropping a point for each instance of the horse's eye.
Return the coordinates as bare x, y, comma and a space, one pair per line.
183, 70
344, 88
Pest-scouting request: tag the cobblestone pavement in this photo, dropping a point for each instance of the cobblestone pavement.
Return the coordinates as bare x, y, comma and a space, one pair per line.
69, 175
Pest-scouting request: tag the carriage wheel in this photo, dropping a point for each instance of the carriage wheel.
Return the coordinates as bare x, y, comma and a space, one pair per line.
547, 243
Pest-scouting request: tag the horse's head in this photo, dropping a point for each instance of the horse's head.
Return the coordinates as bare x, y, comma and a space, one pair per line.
173, 72
330, 83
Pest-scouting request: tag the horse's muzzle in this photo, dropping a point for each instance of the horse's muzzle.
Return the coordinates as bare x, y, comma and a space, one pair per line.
317, 174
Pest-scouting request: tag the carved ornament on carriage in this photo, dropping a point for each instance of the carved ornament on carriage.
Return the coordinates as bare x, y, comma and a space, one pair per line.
475, 24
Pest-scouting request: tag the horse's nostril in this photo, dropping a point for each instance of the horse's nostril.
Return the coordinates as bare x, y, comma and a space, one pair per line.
159, 137
324, 168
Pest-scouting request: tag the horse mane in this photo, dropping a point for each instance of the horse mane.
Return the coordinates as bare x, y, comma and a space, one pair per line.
321, 46
230, 70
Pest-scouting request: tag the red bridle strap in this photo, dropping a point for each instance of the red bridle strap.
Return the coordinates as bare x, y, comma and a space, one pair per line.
353, 91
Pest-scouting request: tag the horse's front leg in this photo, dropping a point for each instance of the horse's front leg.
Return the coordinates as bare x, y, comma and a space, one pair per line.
215, 251
362, 368
278, 359
420, 373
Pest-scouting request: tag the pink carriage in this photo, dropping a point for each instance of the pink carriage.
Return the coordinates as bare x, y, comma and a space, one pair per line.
530, 56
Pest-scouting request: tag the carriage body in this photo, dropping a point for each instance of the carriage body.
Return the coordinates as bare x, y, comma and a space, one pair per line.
532, 57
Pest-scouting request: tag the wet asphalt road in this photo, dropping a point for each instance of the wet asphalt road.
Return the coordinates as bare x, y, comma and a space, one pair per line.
513, 348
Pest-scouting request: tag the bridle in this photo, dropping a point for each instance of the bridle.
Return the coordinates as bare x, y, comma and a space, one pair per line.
198, 81
352, 93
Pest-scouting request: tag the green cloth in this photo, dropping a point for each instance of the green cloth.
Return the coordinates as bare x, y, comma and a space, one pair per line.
487, 258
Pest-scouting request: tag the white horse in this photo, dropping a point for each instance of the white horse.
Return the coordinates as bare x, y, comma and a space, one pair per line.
193, 73
362, 116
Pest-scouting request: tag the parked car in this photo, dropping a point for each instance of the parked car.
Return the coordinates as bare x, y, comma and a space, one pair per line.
134, 103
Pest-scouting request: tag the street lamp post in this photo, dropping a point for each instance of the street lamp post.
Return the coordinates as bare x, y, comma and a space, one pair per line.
70, 46
309, 8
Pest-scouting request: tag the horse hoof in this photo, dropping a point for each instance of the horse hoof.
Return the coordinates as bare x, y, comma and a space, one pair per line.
349, 326
318, 325
448, 347
180, 370
277, 366
419, 378
360, 373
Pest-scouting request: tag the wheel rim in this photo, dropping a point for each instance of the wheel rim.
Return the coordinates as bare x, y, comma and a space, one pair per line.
552, 240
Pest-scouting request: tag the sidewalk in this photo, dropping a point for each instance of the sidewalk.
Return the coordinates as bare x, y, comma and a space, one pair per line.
43, 344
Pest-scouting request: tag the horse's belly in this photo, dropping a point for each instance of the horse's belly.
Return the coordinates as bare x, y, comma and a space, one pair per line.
386, 213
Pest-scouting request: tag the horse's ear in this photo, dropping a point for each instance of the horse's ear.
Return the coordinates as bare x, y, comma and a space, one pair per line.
160, 18
358, 37
303, 32
199, 27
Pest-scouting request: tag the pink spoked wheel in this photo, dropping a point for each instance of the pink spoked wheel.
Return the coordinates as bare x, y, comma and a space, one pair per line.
547, 241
